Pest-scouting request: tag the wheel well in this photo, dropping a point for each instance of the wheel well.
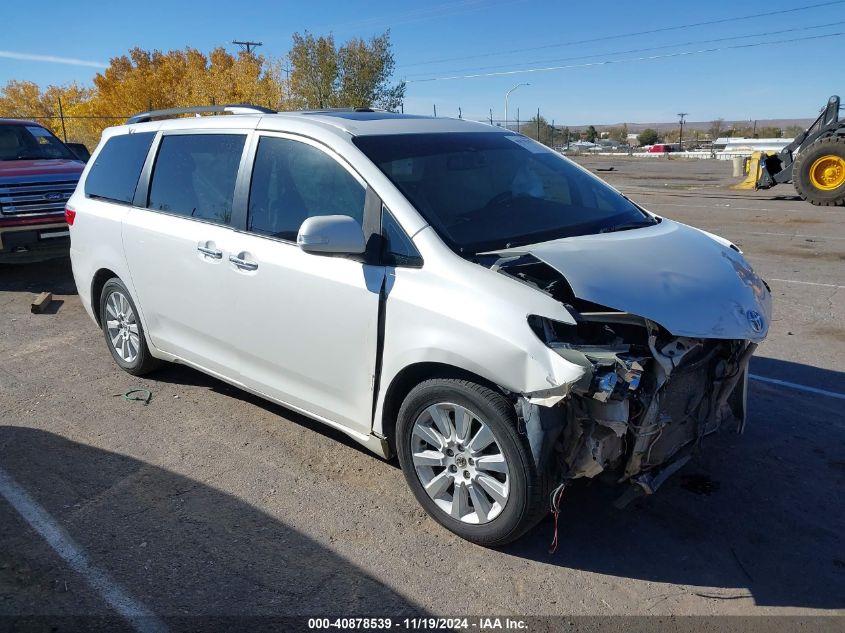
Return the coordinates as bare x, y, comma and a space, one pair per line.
100, 279
410, 377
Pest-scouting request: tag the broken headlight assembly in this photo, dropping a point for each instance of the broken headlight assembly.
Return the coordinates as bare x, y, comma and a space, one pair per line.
600, 343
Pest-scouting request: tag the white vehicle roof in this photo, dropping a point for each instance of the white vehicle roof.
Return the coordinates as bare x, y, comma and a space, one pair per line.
341, 122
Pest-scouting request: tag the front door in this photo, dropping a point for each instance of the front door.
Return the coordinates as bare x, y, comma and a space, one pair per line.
309, 322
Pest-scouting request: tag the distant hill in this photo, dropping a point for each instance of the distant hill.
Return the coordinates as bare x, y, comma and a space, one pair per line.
700, 125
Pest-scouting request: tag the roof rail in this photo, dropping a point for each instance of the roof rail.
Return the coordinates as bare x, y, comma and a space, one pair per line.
357, 109
235, 108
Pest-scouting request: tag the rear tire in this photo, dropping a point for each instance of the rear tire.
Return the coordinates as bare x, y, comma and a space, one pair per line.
123, 331
819, 172
467, 464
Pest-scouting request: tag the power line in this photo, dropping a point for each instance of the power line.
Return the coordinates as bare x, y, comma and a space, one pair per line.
619, 61
643, 50
633, 34
247, 45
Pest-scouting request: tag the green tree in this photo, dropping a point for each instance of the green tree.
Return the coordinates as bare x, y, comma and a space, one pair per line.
648, 137
356, 74
592, 135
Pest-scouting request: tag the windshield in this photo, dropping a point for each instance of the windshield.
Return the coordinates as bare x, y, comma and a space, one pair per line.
30, 142
484, 191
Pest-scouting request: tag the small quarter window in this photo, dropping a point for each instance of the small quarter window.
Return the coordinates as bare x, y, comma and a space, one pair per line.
399, 250
195, 174
115, 172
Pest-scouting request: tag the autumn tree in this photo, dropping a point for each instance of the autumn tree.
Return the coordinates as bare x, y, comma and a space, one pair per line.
356, 74
25, 99
618, 134
530, 127
145, 80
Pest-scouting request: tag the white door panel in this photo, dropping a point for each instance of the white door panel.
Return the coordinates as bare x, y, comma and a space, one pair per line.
183, 280
308, 329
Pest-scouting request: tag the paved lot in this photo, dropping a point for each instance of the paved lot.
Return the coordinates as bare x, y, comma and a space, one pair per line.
209, 501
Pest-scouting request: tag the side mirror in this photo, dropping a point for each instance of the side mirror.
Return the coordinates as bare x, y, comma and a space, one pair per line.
331, 235
80, 151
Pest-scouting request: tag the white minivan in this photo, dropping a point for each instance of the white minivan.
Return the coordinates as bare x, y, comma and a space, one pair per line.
448, 292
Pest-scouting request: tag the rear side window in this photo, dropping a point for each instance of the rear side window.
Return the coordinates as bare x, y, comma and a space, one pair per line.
114, 174
195, 174
293, 181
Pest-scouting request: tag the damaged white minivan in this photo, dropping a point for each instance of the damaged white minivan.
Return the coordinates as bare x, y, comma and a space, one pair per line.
446, 291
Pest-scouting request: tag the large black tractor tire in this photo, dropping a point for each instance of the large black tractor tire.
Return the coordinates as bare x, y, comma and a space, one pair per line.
819, 172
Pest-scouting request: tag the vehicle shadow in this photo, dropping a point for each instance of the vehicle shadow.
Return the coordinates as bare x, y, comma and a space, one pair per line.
52, 275
759, 515
199, 557
176, 374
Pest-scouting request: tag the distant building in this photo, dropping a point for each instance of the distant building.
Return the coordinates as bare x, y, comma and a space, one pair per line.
739, 144
633, 139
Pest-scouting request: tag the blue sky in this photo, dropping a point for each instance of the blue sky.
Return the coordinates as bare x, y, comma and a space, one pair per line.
789, 80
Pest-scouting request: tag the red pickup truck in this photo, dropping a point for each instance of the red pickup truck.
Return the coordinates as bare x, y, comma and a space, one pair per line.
38, 173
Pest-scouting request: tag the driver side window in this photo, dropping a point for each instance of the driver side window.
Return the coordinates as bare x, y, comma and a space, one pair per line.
293, 181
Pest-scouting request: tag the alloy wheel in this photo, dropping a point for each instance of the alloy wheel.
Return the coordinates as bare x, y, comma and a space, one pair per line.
122, 327
459, 463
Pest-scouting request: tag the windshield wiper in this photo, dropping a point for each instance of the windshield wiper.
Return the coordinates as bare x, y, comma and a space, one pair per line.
627, 226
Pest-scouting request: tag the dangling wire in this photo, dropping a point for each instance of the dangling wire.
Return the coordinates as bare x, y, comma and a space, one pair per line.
557, 495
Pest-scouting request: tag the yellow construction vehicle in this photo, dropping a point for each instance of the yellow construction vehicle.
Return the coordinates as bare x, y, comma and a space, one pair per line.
814, 162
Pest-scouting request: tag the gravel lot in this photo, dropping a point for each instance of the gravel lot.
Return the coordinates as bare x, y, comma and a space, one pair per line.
209, 501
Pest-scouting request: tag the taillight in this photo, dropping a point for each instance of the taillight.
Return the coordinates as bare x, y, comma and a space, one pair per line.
70, 216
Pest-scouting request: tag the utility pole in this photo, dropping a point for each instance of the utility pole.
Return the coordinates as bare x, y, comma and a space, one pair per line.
247, 46
435, 110
491, 116
681, 134
62, 118
552, 143
538, 126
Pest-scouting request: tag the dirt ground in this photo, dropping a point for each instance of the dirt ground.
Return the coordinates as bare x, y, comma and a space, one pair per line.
209, 501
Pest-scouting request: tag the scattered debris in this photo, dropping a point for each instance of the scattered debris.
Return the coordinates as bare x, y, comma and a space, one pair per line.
41, 302
139, 394
713, 596
556, 496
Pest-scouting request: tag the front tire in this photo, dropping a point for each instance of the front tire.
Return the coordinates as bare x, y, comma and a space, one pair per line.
123, 331
467, 464
819, 172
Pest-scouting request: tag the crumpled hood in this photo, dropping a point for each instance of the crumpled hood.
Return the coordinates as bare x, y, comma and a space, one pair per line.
669, 273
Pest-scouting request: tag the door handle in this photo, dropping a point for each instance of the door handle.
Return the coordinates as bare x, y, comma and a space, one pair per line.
243, 264
211, 252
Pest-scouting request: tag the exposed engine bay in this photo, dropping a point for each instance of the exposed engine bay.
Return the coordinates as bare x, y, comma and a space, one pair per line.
646, 397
